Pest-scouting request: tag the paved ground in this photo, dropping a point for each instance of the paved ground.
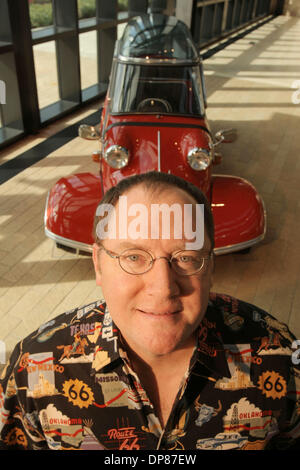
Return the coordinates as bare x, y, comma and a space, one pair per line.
249, 87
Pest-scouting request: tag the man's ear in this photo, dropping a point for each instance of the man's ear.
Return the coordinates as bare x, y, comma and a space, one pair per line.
96, 264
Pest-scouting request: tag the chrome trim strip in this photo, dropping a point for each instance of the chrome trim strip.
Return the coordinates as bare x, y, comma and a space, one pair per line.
158, 151
45, 211
239, 246
144, 61
232, 176
67, 242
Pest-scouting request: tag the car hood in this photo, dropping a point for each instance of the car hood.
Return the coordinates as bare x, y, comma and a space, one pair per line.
157, 142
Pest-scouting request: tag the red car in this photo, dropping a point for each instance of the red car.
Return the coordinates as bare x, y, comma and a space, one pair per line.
154, 119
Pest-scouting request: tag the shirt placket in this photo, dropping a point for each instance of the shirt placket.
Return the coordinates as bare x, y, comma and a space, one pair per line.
150, 420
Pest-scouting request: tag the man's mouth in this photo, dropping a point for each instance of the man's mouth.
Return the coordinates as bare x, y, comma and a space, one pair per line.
159, 313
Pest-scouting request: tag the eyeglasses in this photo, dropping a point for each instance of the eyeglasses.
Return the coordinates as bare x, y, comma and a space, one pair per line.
137, 261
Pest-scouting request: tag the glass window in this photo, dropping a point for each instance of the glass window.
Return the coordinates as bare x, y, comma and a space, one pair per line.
123, 5
86, 9
46, 73
156, 89
158, 36
41, 13
88, 59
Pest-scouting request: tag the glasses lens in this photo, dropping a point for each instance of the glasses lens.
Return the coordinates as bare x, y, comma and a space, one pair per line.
188, 262
135, 261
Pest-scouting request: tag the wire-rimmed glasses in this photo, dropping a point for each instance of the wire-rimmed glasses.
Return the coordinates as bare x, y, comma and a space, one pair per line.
139, 261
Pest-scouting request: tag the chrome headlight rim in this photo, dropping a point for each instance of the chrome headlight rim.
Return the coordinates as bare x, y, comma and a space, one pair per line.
203, 163
113, 149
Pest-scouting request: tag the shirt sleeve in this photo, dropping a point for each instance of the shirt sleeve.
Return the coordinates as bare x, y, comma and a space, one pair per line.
19, 428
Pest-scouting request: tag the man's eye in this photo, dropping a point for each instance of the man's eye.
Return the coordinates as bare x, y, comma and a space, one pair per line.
187, 259
133, 258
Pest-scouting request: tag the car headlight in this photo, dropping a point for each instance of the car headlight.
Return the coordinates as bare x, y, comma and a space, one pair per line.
199, 159
116, 156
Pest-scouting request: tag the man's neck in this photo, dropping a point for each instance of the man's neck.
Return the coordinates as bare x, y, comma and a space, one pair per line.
162, 377
159, 363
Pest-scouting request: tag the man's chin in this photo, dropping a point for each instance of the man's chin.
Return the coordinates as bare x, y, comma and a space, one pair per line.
158, 347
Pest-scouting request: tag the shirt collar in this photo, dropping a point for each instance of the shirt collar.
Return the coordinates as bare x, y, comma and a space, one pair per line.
210, 352
107, 348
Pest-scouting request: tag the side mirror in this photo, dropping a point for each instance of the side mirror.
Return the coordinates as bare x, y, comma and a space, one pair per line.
88, 132
225, 136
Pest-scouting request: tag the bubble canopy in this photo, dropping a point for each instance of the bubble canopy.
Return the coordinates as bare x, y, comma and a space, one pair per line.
156, 38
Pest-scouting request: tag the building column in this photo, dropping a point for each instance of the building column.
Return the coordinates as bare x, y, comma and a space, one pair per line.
184, 9
157, 6
291, 8
136, 7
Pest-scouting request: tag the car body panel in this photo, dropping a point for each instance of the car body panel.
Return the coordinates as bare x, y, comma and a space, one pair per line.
239, 221
239, 214
149, 139
70, 210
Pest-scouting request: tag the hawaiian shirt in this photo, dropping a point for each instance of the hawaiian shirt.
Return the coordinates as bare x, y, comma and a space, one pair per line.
69, 385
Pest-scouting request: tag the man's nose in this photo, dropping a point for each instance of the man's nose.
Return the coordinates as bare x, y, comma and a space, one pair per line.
162, 279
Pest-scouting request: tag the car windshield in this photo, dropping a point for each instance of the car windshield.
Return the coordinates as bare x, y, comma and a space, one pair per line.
157, 36
156, 89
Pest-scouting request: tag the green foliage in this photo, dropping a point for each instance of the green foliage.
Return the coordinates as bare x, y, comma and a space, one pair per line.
40, 14
41, 11
123, 5
86, 8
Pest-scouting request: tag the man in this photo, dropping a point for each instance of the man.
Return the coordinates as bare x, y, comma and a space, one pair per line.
162, 363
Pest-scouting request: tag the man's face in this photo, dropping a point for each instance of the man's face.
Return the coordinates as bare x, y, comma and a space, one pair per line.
157, 312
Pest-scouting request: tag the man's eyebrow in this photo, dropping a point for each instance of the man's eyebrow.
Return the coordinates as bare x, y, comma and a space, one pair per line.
126, 244
180, 247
